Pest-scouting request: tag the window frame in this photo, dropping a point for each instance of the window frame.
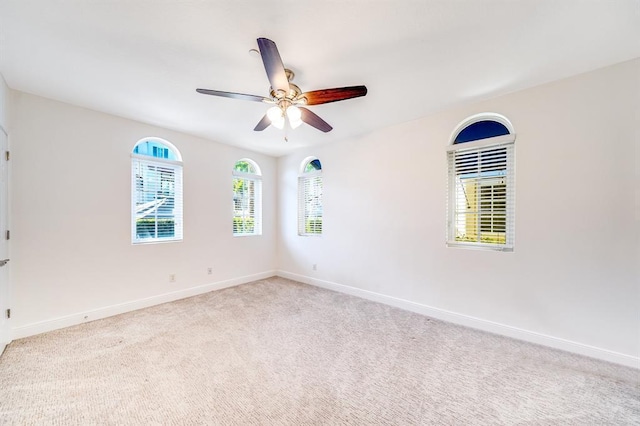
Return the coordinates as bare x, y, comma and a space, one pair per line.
176, 166
483, 178
256, 179
315, 180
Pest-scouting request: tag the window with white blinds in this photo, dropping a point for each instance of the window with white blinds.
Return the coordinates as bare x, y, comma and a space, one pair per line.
156, 192
310, 198
247, 198
481, 202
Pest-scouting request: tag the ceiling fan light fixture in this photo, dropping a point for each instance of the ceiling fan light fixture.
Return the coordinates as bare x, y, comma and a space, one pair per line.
295, 123
295, 116
276, 115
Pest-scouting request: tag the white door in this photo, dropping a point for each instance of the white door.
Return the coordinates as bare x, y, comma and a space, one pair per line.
5, 329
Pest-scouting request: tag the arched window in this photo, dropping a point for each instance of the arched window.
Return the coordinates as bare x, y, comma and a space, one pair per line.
310, 197
247, 198
481, 184
156, 192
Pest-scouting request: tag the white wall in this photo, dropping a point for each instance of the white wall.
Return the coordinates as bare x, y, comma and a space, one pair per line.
71, 199
573, 279
4, 103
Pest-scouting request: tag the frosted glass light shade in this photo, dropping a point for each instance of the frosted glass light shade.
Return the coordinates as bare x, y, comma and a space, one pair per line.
295, 116
276, 116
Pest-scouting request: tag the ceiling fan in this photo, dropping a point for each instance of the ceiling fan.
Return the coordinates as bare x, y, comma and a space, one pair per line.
287, 98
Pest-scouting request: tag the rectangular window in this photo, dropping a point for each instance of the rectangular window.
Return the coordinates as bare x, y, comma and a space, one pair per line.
481, 196
310, 205
246, 206
157, 201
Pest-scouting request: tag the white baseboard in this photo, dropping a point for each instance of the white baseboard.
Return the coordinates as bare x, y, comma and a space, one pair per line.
472, 322
108, 311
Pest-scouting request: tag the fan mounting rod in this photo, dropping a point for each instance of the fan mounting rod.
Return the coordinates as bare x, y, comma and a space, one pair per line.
283, 98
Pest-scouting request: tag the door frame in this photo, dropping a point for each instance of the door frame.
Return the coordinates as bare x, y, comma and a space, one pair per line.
5, 287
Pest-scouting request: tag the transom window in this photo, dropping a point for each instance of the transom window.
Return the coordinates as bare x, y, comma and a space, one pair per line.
247, 198
156, 192
310, 197
481, 184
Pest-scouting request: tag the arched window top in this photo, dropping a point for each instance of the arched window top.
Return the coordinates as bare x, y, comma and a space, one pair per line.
481, 126
310, 165
481, 130
157, 148
248, 166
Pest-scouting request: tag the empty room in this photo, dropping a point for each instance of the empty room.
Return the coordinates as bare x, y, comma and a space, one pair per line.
393, 212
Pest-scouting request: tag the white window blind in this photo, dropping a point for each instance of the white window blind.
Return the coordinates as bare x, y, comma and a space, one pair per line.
156, 200
247, 199
310, 204
481, 200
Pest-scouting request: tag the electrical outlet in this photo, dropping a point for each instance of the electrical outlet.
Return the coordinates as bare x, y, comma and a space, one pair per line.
209, 271
172, 278
315, 267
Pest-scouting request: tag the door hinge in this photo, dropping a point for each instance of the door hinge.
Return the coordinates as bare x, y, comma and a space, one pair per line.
7, 155
8, 234
8, 313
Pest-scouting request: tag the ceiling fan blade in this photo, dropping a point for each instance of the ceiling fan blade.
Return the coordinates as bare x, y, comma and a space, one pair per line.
263, 124
273, 65
241, 96
317, 97
312, 119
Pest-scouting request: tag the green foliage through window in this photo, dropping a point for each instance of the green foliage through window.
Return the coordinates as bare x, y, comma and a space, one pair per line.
245, 167
147, 228
313, 226
244, 225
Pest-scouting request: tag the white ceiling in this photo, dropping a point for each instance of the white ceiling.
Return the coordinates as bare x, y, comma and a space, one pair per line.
143, 59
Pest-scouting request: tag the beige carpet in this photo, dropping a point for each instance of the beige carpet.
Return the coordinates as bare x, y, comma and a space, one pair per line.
277, 352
